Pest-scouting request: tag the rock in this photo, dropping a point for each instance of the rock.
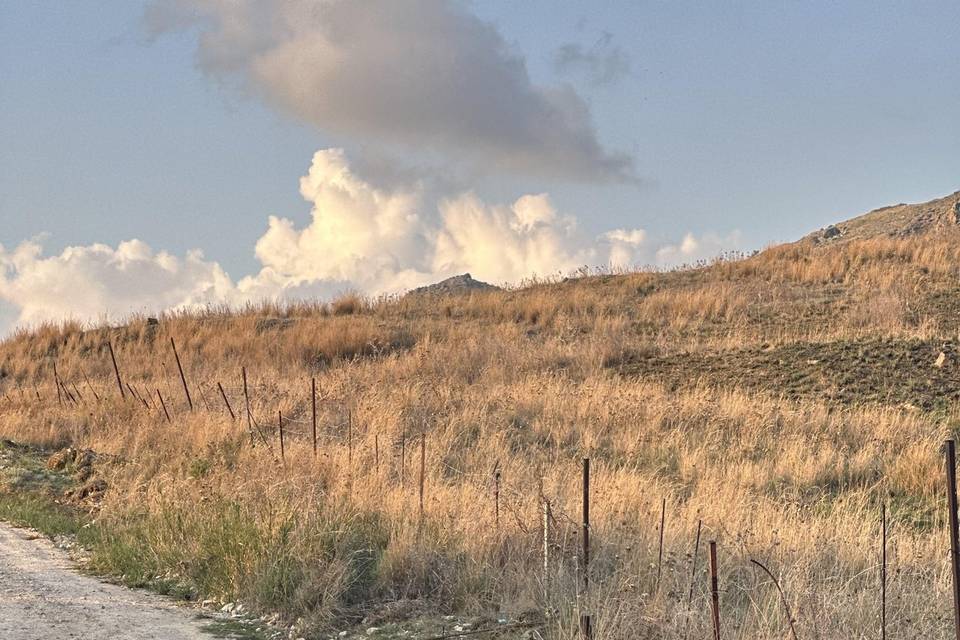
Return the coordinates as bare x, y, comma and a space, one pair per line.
60, 459
831, 232
93, 489
457, 284
83, 474
84, 459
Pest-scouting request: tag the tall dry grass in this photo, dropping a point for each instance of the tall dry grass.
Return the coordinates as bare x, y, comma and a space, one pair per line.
527, 382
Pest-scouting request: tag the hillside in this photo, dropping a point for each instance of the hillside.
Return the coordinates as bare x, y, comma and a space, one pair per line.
895, 221
776, 400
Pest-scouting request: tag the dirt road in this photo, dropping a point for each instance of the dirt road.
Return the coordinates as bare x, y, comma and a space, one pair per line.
43, 598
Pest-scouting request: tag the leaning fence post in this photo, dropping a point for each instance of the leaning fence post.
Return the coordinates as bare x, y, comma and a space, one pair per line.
714, 591
951, 464
87, 380
223, 394
56, 384
116, 370
246, 403
203, 396
693, 577
783, 596
77, 392
163, 405
183, 378
693, 569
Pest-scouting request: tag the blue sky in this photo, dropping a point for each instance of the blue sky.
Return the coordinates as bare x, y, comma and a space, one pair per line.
765, 118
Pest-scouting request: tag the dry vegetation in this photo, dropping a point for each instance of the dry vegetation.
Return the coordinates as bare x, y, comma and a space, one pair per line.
614, 367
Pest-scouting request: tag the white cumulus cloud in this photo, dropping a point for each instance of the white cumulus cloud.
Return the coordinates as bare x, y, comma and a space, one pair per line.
359, 236
97, 281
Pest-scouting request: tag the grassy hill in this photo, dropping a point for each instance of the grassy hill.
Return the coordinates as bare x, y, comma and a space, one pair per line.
776, 400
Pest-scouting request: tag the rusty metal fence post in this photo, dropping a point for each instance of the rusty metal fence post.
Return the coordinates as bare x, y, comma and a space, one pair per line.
116, 370
313, 413
183, 378
951, 464
714, 590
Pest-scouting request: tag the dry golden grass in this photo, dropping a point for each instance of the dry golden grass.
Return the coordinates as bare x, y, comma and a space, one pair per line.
528, 381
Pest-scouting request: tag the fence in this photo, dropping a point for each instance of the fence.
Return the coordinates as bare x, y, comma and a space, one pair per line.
554, 518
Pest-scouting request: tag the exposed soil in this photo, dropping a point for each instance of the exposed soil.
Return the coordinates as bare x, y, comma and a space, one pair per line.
897, 372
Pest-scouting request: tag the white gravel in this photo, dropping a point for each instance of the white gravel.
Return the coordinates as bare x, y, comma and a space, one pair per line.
43, 598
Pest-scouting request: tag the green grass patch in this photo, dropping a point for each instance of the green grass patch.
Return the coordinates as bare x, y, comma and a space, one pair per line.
40, 512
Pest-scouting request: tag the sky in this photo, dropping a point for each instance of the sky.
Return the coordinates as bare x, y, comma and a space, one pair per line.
174, 153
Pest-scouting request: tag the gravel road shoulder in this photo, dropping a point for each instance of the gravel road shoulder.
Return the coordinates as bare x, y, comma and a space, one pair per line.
43, 598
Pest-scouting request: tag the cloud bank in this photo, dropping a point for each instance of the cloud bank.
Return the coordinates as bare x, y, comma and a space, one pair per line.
422, 74
358, 237
95, 281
